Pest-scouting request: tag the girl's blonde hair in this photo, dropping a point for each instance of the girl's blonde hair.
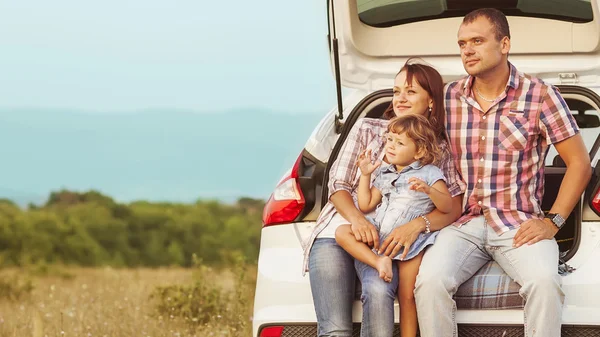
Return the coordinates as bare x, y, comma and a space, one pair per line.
419, 129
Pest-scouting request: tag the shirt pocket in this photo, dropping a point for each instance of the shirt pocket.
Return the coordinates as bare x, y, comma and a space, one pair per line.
514, 133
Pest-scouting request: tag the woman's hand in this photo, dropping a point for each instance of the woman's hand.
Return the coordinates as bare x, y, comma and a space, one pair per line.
402, 236
364, 163
364, 231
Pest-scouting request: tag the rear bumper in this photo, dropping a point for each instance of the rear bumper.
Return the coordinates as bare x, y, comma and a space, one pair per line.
283, 295
464, 330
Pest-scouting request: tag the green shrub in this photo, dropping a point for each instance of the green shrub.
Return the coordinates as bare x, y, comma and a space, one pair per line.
91, 229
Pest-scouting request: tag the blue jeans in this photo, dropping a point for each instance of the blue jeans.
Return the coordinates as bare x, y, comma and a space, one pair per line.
332, 274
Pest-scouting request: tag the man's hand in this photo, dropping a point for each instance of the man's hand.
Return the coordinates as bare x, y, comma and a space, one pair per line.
364, 231
534, 230
402, 236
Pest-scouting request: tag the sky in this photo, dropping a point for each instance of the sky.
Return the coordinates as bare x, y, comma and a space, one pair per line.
120, 56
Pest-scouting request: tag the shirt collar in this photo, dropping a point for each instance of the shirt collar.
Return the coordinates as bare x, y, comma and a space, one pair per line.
513, 80
391, 168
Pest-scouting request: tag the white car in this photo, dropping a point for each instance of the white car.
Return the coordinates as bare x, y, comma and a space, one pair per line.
556, 40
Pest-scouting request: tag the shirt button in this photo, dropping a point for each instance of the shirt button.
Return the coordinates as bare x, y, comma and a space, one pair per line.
479, 181
480, 202
484, 117
481, 159
482, 137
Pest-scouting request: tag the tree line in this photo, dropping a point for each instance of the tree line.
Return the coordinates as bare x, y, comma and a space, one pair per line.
92, 229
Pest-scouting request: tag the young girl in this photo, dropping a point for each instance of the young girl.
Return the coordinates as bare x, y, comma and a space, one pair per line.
407, 186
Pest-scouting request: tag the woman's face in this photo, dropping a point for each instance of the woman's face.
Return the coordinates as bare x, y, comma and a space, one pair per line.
410, 99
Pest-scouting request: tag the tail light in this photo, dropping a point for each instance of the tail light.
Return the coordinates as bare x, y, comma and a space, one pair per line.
272, 331
596, 202
287, 200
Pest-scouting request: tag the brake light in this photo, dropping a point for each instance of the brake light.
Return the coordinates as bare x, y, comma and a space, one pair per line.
596, 201
272, 331
287, 200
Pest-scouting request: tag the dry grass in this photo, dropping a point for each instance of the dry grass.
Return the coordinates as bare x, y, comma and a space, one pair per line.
115, 302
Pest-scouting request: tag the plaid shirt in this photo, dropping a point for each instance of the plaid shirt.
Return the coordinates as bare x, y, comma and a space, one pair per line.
367, 133
501, 152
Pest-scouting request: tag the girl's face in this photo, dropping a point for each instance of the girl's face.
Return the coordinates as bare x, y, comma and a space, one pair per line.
410, 99
400, 149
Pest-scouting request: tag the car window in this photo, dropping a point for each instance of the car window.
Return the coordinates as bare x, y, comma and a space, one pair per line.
385, 13
589, 133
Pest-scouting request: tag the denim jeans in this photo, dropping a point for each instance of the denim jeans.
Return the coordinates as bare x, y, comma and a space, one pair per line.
459, 252
332, 274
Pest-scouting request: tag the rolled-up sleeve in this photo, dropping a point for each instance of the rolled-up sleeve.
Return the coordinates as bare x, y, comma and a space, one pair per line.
343, 171
556, 121
454, 181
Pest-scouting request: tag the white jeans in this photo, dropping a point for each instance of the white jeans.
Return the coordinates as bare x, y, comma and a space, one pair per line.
457, 255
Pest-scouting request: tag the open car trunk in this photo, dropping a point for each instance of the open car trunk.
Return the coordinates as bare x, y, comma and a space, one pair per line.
490, 288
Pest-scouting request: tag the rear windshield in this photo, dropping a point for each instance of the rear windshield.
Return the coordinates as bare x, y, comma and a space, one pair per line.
386, 13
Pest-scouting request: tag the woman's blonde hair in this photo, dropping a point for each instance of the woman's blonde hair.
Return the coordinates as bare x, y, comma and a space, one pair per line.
419, 129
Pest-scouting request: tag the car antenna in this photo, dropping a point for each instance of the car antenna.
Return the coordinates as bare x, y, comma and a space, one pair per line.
338, 83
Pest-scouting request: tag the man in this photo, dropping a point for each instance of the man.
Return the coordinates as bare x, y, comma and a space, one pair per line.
500, 123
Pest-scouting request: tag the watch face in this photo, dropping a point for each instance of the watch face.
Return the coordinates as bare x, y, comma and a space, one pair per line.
558, 220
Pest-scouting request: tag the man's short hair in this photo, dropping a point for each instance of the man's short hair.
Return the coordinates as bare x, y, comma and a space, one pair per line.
495, 17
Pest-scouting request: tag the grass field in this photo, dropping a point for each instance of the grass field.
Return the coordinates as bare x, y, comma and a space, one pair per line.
174, 302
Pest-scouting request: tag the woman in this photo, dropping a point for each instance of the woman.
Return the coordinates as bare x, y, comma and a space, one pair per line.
418, 89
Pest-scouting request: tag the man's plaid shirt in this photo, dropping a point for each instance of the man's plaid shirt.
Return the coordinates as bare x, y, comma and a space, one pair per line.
501, 152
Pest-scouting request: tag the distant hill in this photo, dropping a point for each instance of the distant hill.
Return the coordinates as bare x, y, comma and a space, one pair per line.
154, 155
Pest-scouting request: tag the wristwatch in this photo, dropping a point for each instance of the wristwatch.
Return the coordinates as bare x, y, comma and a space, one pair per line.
556, 219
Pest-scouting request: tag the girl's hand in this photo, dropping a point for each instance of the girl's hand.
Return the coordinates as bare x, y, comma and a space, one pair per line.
418, 185
364, 163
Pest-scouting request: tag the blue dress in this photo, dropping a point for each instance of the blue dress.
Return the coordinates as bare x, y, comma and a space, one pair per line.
400, 205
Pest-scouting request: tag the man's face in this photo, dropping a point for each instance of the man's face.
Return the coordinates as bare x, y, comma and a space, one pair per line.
479, 50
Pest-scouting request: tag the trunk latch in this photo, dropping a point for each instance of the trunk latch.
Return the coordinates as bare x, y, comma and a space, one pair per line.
568, 78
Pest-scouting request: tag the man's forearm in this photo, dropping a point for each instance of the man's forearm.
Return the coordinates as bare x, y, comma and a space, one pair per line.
572, 187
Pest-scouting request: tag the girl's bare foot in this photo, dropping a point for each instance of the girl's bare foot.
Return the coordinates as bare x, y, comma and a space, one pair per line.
384, 267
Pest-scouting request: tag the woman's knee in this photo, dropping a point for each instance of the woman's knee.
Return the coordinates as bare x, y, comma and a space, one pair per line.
328, 262
378, 291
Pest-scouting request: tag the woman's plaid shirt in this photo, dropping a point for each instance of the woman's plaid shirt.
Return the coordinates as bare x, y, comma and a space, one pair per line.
501, 152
